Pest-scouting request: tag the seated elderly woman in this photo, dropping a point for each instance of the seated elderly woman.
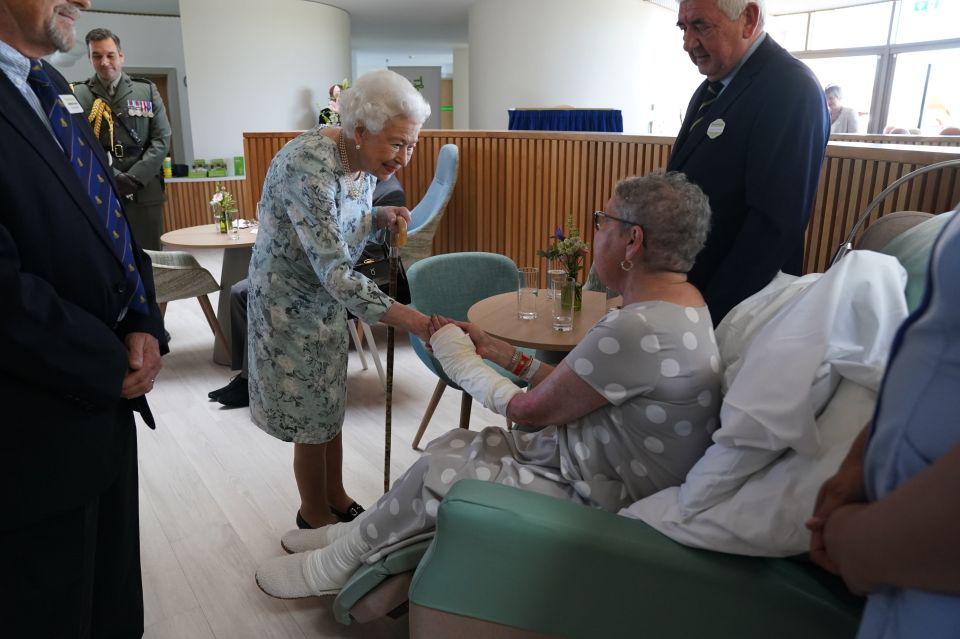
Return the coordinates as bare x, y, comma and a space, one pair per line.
626, 414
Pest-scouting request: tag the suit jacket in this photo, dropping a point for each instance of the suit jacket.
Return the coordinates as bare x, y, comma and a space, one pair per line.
62, 356
760, 173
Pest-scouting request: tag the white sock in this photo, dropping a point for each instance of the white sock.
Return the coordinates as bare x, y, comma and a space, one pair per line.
311, 539
328, 569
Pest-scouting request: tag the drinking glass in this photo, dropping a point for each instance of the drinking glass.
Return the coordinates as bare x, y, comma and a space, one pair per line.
563, 286
554, 267
528, 286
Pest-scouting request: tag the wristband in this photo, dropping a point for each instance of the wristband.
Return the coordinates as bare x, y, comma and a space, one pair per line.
531, 370
522, 364
513, 360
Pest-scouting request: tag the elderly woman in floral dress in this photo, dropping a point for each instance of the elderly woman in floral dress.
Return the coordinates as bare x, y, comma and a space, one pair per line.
626, 413
315, 217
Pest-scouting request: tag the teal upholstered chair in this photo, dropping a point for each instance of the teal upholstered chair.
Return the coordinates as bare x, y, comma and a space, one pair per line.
425, 216
449, 285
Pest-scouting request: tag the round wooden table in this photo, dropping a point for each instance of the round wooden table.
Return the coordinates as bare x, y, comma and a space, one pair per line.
236, 260
497, 316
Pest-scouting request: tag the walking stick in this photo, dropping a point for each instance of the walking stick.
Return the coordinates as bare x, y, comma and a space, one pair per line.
398, 240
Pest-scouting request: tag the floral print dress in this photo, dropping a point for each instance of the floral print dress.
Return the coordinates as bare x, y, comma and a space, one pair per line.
302, 283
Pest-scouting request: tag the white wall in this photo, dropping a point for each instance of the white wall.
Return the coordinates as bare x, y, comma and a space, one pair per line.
259, 66
622, 54
150, 44
461, 88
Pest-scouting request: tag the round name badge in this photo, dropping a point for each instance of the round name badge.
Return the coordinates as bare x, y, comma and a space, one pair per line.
715, 130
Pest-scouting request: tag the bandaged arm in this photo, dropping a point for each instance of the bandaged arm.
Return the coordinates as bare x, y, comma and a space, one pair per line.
459, 359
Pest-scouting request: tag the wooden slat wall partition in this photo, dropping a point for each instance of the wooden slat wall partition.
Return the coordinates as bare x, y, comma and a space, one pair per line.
188, 202
515, 187
854, 174
929, 140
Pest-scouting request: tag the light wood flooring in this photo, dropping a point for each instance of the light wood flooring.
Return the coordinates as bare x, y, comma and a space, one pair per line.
216, 493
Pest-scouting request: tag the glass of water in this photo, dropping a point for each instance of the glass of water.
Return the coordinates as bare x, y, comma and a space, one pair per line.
528, 287
554, 267
563, 287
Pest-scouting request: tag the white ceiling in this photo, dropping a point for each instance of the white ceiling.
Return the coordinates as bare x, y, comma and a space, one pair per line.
400, 27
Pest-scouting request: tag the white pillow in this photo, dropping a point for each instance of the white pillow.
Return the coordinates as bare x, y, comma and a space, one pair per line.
764, 516
838, 326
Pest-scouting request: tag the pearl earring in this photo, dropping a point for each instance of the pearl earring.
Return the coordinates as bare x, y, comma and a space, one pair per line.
626, 265
358, 147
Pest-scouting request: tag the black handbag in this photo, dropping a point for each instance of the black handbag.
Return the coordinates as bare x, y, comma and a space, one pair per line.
374, 264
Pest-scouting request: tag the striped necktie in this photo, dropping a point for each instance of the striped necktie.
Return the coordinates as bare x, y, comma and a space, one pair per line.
709, 97
91, 174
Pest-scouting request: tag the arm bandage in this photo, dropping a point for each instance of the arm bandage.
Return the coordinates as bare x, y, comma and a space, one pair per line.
460, 362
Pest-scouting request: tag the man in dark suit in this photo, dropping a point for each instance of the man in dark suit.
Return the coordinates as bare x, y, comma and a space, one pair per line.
753, 139
80, 346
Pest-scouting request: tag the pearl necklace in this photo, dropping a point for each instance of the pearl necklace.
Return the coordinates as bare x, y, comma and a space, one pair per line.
353, 185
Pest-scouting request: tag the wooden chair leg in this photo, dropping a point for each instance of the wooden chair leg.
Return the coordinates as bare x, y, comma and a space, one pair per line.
214, 324
431, 407
466, 403
163, 308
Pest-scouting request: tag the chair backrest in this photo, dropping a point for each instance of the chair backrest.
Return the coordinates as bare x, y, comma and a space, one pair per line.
438, 193
426, 216
879, 234
451, 283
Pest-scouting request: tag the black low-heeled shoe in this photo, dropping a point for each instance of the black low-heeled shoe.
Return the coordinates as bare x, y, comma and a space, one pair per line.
234, 382
352, 513
302, 523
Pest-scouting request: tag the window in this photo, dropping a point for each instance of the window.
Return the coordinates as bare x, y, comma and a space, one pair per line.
790, 31
854, 75
926, 20
861, 26
926, 94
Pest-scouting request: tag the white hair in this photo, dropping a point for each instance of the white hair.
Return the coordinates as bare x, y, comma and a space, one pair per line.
733, 8
378, 96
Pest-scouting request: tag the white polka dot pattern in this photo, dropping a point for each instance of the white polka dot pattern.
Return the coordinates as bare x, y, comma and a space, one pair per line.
614, 392
656, 414
603, 435
690, 341
580, 450
638, 468
705, 398
394, 507
525, 475
608, 346
457, 443
583, 488
715, 363
483, 473
583, 367
653, 444
494, 440
669, 368
692, 314
683, 428
447, 475
650, 344
431, 507
372, 531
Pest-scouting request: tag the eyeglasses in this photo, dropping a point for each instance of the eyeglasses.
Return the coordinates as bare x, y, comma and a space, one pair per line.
598, 215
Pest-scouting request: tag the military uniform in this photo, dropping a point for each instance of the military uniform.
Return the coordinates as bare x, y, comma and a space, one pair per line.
141, 139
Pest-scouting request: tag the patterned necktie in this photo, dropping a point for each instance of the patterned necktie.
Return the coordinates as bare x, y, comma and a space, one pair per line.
91, 174
709, 97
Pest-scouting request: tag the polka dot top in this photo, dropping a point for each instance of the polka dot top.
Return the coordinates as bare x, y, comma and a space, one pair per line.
658, 365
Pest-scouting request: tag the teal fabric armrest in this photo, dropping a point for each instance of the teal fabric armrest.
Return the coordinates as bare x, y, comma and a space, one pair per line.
533, 562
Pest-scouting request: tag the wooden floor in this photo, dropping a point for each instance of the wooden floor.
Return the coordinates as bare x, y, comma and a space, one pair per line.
216, 493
